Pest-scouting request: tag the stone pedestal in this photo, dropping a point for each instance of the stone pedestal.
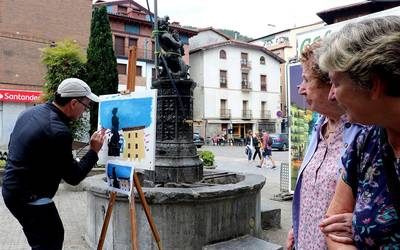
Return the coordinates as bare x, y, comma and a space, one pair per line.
186, 218
176, 154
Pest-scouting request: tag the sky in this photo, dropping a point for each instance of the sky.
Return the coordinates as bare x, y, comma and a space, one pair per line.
253, 18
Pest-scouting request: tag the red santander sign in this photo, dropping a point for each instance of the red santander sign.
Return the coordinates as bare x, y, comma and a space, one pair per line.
18, 96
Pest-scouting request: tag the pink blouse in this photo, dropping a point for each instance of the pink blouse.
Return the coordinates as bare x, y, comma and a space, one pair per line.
317, 189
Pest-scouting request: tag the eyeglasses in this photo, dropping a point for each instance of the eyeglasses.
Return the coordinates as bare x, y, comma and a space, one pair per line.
87, 106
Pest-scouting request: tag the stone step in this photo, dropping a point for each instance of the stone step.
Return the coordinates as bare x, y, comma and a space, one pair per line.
246, 242
270, 216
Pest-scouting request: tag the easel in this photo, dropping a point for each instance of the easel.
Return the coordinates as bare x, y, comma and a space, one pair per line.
136, 182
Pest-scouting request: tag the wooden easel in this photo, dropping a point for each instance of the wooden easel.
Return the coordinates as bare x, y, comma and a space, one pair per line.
136, 182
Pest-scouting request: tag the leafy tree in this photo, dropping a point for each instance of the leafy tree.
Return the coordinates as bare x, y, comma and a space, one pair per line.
231, 34
66, 59
101, 63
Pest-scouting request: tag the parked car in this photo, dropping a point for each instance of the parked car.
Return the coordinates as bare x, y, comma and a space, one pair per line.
198, 140
280, 141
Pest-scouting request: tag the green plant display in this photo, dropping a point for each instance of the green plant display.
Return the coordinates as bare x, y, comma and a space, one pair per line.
207, 157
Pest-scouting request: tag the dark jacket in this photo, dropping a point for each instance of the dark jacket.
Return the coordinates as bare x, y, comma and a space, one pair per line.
40, 155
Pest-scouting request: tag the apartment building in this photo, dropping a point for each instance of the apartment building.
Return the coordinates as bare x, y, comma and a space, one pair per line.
25, 28
131, 25
238, 86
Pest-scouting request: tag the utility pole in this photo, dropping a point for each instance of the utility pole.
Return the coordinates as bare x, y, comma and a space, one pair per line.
157, 49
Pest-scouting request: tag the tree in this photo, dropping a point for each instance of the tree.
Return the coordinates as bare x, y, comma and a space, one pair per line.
101, 64
65, 60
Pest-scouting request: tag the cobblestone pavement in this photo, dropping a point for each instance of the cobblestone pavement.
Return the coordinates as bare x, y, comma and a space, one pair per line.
72, 205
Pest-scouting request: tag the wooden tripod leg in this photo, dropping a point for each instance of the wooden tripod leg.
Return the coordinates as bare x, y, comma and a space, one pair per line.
132, 212
147, 210
106, 220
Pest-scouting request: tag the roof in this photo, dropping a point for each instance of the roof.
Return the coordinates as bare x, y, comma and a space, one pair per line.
116, 2
238, 44
281, 31
216, 31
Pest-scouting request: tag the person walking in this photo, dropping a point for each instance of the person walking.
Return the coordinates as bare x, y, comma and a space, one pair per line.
40, 156
249, 145
267, 150
257, 146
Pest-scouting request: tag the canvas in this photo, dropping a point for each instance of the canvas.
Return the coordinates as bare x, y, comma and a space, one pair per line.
119, 176
130, 121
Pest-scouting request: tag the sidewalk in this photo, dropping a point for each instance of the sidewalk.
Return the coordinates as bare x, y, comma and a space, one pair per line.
72, 208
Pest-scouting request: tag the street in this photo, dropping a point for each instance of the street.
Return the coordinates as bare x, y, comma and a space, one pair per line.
234, 159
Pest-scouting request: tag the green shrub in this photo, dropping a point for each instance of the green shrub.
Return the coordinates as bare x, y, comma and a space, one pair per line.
207, 157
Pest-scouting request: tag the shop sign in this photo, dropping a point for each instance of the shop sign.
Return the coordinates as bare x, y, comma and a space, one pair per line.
18, 96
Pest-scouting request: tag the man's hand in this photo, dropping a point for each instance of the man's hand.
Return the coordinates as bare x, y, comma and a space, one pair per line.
97, 139
338, 227
290, 240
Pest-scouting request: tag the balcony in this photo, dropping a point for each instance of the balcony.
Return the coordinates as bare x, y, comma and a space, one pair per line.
245, 65
225, 114
223, 83
265, 114
246, 114
263, 86
141, 54
246, 85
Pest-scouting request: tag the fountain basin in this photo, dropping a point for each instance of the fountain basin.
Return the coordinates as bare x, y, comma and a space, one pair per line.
186, 217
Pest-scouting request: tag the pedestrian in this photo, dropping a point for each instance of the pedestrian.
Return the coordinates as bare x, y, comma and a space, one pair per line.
363, 60
319, 171
267, 150
40, 155
249, 145
256, 144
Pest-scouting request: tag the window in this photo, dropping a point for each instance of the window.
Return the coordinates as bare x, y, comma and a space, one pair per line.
138, 70
132, 28
243, 58
122, 9
129, 135
223, 103
136, 146
136, 135
245, 79
129, 155
119, 46
263, 81
262, 60
136, 156
222, 54
223, 78
132, 42
121, 68
129, 145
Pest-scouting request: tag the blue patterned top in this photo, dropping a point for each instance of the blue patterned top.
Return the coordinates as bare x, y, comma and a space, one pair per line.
376, 223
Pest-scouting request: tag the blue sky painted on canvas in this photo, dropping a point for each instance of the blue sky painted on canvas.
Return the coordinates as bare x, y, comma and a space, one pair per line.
120, 170
131, 112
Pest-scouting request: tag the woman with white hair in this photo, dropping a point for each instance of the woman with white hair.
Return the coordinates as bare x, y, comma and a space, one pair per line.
363, 60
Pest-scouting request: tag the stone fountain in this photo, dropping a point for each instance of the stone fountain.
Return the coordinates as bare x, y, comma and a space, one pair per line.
190, 208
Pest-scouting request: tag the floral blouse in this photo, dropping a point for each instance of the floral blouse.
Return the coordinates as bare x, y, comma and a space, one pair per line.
318, 186
376, 223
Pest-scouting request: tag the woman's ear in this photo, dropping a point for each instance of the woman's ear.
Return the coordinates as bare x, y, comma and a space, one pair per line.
378, 87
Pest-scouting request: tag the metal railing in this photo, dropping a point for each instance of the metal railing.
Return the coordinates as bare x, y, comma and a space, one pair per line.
225, 113
246, 85
143, 54
246, 114
265, 114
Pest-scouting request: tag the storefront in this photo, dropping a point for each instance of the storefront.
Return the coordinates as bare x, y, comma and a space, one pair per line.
12, 104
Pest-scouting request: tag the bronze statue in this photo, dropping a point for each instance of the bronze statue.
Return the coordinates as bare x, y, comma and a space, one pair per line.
172, 51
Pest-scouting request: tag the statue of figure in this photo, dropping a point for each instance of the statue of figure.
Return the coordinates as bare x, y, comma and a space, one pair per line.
113, 145
172, 50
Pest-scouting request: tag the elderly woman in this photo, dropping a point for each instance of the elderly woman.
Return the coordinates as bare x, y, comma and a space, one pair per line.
320, 168
363, 60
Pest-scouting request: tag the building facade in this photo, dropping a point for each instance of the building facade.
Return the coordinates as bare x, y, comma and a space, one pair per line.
238, 86
25, 28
